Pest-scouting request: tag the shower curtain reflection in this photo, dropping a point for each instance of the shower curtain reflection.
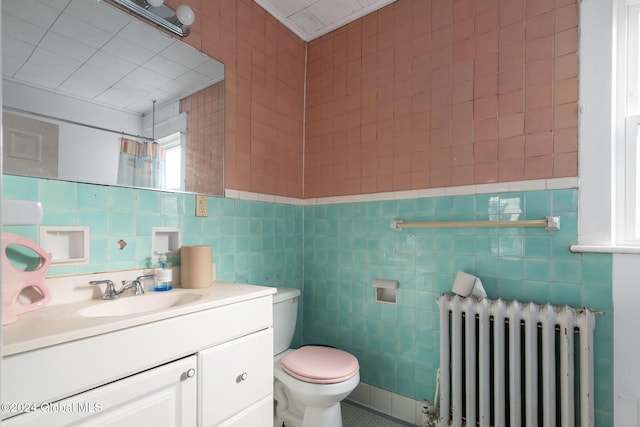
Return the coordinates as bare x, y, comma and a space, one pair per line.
141, 164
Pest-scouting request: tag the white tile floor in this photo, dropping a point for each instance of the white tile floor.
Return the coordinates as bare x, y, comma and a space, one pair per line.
354, 415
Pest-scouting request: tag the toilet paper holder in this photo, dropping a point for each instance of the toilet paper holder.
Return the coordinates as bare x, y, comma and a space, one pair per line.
386, 290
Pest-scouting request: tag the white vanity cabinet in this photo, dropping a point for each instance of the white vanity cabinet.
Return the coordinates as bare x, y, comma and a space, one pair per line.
210, 367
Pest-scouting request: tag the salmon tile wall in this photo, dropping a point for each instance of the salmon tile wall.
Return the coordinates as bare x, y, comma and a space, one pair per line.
264, 93
424, 94
204, 152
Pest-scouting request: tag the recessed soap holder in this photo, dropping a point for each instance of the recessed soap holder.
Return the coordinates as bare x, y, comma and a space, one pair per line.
165, 240
386, 291
66, 244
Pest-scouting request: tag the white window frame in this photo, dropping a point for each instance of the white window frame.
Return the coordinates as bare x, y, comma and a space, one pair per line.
607, 149
628, 101
168, 121
169, 142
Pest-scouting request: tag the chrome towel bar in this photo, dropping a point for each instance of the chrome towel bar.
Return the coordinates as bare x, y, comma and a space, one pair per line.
549, 223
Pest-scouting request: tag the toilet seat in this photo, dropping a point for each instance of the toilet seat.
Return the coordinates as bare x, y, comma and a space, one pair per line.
320, 365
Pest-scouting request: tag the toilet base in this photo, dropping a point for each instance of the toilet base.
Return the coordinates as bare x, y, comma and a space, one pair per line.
295, 415
331, 416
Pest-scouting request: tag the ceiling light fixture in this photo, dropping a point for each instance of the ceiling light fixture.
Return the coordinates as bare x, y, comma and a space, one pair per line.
185, 15
155, 11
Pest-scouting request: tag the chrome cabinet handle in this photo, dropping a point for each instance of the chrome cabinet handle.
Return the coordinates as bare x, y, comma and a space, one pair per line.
189, 374
241, 377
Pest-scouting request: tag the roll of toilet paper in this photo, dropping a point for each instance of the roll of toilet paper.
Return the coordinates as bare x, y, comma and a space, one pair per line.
196, 268
468, 284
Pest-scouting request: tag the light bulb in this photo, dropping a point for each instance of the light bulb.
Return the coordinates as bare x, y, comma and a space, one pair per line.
185, 15
155, 3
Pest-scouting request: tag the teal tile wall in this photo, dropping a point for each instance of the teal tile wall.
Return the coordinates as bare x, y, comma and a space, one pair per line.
347, 246
253, 242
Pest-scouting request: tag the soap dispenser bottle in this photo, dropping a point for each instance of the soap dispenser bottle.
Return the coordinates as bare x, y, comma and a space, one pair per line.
164, 275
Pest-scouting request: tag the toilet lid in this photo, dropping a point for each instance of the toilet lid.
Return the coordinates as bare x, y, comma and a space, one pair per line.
320, 365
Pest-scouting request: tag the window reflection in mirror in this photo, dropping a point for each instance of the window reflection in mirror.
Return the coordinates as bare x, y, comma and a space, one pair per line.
190, 132
173, 162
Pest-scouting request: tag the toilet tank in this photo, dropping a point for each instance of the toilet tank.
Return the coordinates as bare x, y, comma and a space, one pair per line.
285, 312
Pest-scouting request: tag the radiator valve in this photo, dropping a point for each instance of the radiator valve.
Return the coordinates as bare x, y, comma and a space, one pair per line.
429, 414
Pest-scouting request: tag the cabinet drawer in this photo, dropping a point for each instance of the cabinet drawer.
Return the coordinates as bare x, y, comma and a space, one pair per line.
259, 415
234, 376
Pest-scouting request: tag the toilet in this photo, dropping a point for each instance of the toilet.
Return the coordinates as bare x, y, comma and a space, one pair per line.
310, 382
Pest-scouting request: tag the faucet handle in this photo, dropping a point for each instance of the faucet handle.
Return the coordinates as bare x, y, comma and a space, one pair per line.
138, 282
137, 287
110, 291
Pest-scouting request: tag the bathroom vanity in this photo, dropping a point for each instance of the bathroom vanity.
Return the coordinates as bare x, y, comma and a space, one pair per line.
197, 357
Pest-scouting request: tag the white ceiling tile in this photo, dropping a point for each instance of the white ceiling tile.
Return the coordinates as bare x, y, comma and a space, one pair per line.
99, 76
31, 11
149, 77
368, 3
22, 30
10, 66
77, 29
16, 49
111, 63
142, 104
287, 7
40, 76
185, 54
214, 70
108, 19
128, 51
177, 87
84, 86
67, 47
193, 78
51, 61
137, 33
330, 11
122, 96
306, 21
158, 94
166, 66
56, 4
320, 16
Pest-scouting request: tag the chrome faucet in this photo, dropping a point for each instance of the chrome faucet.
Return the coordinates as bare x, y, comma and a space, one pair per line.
111, 293
137, 287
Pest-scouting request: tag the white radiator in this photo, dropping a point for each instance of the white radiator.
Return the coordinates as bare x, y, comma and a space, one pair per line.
533, 374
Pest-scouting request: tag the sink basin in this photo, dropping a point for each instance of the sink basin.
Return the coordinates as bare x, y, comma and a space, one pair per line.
139, 304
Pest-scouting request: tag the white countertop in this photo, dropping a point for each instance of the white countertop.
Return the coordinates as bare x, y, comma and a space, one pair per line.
61, 323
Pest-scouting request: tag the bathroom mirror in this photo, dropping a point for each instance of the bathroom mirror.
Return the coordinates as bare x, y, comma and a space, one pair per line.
87, 87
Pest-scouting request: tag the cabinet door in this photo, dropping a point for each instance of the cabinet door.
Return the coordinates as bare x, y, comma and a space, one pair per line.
163, 396
234, 376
